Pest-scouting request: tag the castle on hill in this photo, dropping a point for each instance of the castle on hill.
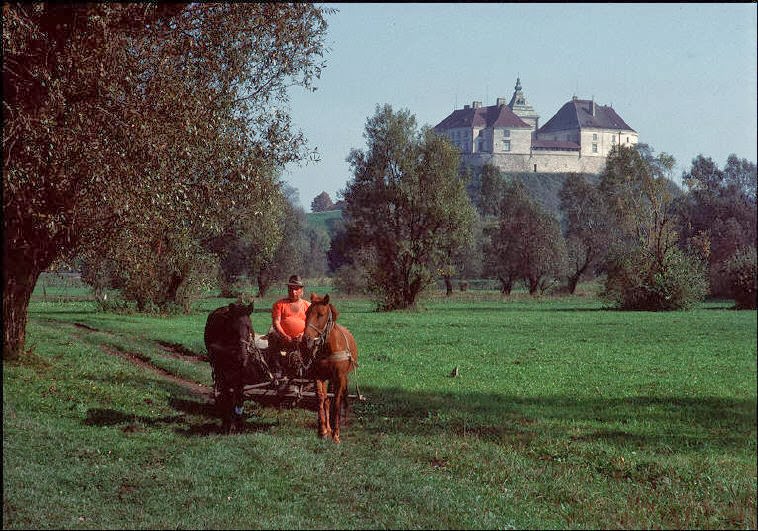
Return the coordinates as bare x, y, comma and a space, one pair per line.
577, 138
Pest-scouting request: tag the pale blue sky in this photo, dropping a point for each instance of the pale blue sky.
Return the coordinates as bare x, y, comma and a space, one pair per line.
682, 75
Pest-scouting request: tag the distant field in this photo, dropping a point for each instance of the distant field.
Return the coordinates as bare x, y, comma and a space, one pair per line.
564, 415
322, 219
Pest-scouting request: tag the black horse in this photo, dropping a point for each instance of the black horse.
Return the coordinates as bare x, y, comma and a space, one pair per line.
234, 358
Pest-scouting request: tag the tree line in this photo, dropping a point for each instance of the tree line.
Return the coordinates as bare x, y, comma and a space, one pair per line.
656, 246
144, 143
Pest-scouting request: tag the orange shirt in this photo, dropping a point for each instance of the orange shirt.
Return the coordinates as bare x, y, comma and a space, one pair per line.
291, 315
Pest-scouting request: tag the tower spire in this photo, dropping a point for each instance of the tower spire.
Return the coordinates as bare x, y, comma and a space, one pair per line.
521, 107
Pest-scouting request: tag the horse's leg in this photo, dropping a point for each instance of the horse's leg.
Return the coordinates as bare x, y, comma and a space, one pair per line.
237, 408
339, 400
222, 401
324, 430
225, 408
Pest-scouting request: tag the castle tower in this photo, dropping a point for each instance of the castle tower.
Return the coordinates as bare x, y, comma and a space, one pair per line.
521, 107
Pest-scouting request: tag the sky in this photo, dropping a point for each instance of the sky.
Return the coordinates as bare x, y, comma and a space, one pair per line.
682, 75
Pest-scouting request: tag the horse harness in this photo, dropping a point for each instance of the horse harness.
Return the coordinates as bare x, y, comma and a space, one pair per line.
256, 355
340, 355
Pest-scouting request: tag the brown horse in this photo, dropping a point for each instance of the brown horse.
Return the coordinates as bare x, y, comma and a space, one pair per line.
333, 352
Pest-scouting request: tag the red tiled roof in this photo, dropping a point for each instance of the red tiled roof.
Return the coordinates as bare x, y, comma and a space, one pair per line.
492, 116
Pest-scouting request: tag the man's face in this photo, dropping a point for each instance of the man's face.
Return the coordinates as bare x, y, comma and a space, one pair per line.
294, 292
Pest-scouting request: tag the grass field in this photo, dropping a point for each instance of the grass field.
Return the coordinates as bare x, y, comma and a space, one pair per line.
564, 415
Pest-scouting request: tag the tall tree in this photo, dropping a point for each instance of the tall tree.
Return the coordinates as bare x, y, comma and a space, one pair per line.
586, 228
718, 215
406, 205
250, 238
646, 268
288, 256
120, 112
322, 203
527, 244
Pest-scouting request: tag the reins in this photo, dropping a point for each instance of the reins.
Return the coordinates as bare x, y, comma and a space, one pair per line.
255, 353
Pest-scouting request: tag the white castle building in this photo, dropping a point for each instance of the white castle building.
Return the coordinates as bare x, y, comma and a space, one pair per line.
577, 139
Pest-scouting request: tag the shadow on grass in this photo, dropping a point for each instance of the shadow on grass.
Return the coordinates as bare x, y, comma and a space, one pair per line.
660, 423
182, 425
194, 417
667, 424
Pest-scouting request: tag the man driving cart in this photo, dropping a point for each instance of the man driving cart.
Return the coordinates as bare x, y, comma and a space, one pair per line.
287, 323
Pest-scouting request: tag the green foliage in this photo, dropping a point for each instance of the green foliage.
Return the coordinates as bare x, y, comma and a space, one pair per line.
327, 221
741, 272
255, 229
291, 251
636, 281
718, 215
491, 190
587, 228
406, 206
646, 270
527, 243
637, 193
121, 114
486, 187
352, 279
174, 271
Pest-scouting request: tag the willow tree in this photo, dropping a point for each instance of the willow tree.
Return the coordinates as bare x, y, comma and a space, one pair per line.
647, 270
587, 230
527, 243
406, 208
118, 113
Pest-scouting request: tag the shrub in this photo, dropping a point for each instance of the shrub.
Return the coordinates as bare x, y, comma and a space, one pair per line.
351, 279
637, 281
741, 274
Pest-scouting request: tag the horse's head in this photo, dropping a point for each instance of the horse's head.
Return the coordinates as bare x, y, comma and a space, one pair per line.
240, 329
319, 321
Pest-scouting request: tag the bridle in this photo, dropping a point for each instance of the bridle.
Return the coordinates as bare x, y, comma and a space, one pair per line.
320, 341
318, 344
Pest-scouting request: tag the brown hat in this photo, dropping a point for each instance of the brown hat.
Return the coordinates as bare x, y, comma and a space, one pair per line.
295, 282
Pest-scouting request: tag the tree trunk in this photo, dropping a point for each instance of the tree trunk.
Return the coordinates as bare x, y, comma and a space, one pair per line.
18, 283
263, 284
573, 280
448, 286
506, 285
534, 284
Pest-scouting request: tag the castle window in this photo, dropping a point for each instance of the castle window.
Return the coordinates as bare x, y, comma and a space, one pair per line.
594, 148
613, 140
594, 136
506, 145
506, 133
481, 145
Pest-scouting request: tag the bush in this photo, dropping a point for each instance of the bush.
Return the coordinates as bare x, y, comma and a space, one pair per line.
637, 281
741, 274
351, 279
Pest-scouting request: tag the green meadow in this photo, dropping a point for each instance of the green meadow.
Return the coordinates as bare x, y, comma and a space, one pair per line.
564, 415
